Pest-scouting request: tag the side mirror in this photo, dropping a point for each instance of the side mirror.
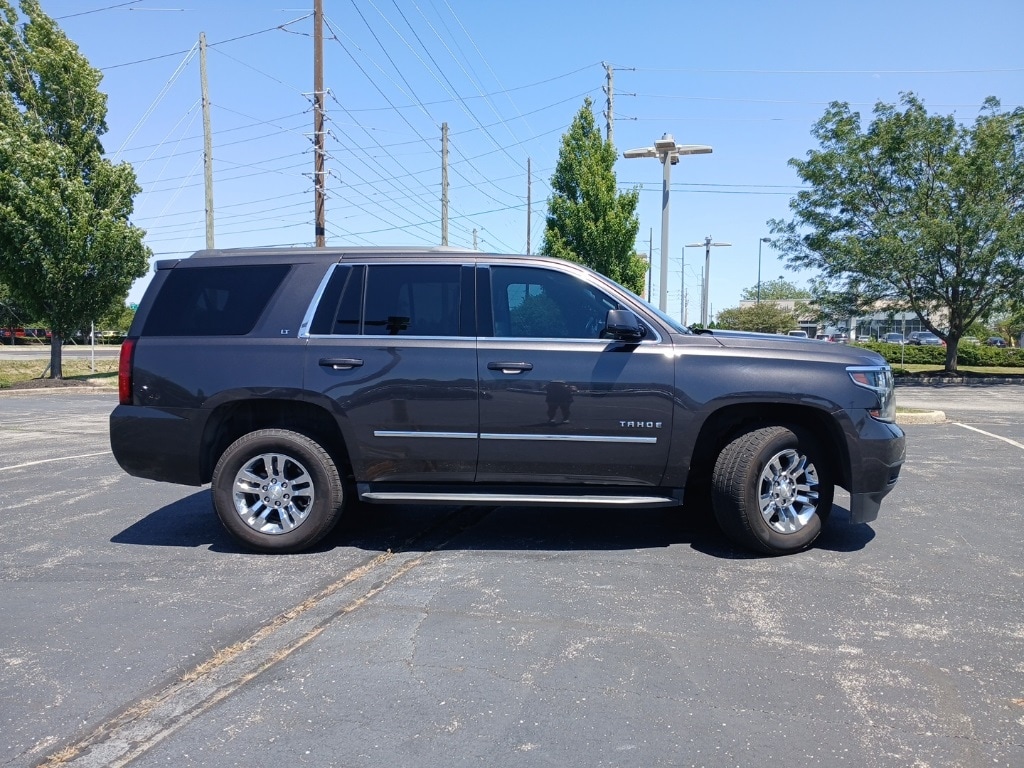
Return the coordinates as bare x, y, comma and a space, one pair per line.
623, 325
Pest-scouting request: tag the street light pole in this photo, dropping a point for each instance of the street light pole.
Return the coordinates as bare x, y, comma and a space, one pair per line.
762, 240
666, 150
666, 175
708, 245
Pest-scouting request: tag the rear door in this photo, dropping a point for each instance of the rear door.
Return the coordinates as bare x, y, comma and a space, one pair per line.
558, 403
391, 352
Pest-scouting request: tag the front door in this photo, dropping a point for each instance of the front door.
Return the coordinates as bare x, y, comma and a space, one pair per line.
559, 404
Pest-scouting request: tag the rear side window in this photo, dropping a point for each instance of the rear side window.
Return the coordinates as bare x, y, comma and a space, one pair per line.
391, 300
341, 305
213, 301
412, 300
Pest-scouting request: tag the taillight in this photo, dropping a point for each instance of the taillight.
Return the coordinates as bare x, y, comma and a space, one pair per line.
124, 371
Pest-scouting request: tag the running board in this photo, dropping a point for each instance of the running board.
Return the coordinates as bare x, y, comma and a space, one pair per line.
517, 499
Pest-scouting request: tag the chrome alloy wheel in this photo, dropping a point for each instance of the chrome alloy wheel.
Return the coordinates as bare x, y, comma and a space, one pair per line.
273, 493
788, 491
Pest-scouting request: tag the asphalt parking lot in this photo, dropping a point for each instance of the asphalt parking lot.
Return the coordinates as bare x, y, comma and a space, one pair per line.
134, 632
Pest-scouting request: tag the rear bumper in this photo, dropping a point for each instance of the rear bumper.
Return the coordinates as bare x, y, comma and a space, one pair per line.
157, 444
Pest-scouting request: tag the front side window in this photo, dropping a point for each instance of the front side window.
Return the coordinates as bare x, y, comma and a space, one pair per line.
530, 302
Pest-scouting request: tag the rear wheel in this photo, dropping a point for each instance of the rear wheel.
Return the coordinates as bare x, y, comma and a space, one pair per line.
771, 490
277, 491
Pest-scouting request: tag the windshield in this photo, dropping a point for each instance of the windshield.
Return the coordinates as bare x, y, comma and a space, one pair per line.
674, 324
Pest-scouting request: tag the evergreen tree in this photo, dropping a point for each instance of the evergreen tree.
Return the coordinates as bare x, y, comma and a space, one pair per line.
588, 221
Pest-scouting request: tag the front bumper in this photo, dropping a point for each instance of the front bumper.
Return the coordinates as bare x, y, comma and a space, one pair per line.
882, 453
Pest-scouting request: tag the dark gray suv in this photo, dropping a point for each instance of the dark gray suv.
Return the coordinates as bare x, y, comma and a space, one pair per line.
294, 380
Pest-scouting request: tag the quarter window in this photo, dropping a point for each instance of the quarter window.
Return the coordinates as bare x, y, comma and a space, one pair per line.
213, 301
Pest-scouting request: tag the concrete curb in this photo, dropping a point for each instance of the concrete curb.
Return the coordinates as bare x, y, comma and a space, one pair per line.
921, 417
958, 381
91, 389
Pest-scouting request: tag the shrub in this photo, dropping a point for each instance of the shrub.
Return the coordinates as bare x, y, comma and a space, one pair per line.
966, 354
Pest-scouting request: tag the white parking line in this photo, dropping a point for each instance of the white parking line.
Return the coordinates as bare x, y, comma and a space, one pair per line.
63, 458
989, 434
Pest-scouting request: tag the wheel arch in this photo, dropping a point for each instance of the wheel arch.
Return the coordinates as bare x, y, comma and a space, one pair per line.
232, 420
729, 421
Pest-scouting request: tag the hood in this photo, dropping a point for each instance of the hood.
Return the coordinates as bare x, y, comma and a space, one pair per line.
795, 346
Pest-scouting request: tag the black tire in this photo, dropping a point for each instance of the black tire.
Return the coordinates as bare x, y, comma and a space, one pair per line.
772, 490
277, 491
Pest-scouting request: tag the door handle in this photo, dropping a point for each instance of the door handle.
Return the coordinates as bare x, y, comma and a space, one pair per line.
340, 363
510, 367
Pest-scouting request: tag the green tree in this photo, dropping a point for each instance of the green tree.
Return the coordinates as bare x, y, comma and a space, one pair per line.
766, 317
588, 221
67, 250
119, 319
775, 289
914, 212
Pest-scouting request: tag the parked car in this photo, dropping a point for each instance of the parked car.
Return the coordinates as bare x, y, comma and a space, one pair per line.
970, 340
298, 381
892, 338
995, 341
799, 333
925, 339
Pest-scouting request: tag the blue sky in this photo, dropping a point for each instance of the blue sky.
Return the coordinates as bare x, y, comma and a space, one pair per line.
748, 78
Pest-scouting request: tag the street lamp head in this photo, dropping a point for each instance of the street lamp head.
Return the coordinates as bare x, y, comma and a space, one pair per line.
665, 144
766, 239
640, 152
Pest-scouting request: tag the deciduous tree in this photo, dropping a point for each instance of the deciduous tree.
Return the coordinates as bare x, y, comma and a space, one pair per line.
778, 288
67, 249
766, 317
913, 211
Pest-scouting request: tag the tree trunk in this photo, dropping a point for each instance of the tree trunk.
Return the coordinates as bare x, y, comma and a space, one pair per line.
56, 346
951, 347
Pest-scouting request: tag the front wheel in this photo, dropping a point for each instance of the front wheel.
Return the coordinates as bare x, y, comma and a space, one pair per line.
277, 491
771, 490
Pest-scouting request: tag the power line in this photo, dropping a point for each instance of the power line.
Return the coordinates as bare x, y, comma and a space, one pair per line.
95, 10
701, 71
210, 45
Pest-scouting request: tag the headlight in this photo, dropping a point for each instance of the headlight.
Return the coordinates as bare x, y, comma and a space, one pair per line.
879, 380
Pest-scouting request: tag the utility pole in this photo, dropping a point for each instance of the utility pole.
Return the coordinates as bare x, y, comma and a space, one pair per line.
444, 183
207, 140
609, 114
319, 176
529, 188
474, 238
682, 285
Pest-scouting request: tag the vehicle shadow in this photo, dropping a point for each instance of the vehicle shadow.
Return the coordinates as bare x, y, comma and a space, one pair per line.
191, 522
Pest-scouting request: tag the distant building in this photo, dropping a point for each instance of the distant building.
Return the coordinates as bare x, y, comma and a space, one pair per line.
874, 325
